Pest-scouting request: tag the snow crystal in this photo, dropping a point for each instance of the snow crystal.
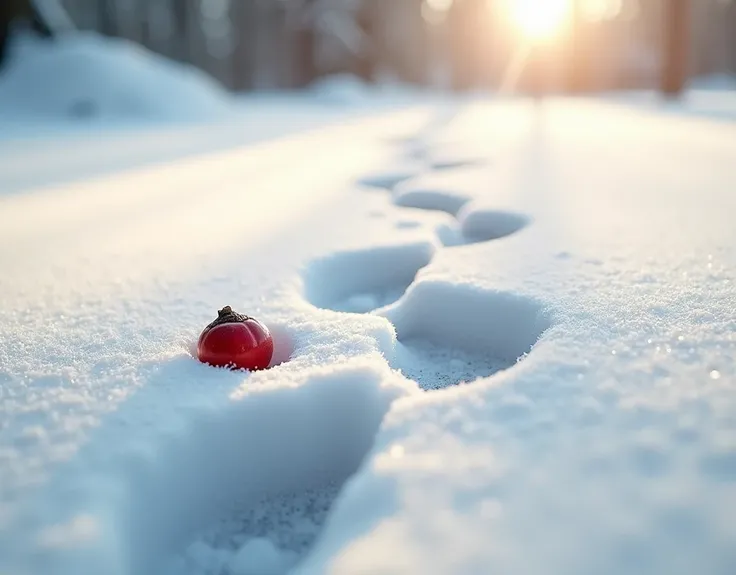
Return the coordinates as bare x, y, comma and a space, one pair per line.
265, 538
435, 366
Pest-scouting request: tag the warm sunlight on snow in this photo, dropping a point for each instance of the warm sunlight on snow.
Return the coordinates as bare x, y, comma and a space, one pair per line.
539, 19
359, 287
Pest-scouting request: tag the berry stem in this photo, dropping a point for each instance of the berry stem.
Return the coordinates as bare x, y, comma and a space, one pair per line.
227, 315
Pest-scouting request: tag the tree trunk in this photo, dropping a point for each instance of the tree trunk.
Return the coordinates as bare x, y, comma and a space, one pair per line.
12, 10
731, 36
304, 44
244, 17
366, 61
106, 17
676, 47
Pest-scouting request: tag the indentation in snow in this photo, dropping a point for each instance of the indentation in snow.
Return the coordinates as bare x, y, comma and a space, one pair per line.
363, 280
443, 200
267, 464
390, 178
454, 155
481, 225
450, 163
453, 333
407, 224
267, 538
283, 343
258, 556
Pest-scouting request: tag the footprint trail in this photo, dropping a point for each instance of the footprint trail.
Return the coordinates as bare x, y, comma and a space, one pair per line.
446, 334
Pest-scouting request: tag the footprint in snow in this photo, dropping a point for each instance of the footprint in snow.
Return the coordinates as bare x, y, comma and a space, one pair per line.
450, 163
450, 334
266, 538
390, 177
447, 334
454, 155
474, 224
246, 488
434, 199
363, 280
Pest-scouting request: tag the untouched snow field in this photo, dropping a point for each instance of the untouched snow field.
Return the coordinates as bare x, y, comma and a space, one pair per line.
505, 343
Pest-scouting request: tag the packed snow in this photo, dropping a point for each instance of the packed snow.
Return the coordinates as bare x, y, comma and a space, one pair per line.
539, 379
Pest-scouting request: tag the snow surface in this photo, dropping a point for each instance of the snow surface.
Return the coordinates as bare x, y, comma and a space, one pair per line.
582, 297
710, 97
87, 76
113, 105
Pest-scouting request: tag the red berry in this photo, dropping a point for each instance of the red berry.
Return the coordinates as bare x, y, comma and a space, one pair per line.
236, 341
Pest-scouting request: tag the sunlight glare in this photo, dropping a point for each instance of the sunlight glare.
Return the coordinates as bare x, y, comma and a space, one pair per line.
435, 12
539, 20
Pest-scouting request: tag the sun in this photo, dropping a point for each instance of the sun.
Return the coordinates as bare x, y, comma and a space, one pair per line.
539, 20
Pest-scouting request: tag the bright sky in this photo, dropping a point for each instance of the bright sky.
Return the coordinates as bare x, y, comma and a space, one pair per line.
539, 19
536, 20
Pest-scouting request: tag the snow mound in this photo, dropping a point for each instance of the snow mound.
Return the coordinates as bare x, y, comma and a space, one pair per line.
344, 89
713, 82
350, 90
257, 557
87, 76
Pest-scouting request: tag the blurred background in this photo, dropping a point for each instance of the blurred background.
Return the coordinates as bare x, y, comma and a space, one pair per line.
575, 45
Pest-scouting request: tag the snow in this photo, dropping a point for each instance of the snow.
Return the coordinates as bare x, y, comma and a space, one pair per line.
114, 106
707, 97
257, 557
86, 76
539, 379
367, 279
481, 225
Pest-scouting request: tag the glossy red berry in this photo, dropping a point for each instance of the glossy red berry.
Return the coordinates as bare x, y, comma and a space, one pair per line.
236, 341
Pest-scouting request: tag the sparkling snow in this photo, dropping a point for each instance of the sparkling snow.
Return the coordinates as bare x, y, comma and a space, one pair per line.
582, 297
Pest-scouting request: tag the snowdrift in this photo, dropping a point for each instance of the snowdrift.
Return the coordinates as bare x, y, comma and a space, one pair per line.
85, 76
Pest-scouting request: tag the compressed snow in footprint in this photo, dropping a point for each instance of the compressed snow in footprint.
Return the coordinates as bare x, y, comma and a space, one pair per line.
265, 539
388, 177
445, 191
365, 302
363, 280
434, 366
